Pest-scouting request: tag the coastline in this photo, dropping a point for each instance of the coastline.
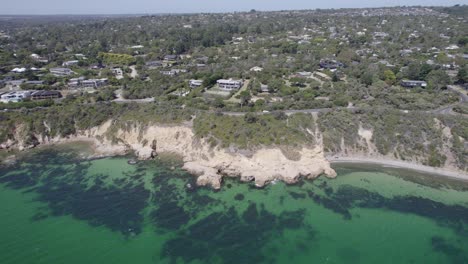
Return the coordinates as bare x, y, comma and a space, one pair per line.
386, 162
210, 164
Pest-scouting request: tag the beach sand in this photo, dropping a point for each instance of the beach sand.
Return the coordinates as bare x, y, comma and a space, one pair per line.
445, 172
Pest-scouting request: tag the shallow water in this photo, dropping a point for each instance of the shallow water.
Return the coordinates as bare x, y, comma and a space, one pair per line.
56, 208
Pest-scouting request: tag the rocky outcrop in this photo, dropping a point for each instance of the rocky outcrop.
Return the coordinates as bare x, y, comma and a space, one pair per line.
209, 164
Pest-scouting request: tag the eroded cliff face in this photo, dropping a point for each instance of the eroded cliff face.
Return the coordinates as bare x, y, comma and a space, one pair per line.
209, 164
364, 147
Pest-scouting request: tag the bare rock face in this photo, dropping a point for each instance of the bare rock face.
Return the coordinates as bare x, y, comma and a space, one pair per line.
209, 164
8, 144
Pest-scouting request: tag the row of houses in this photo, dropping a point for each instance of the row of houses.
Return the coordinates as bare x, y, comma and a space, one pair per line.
18, 96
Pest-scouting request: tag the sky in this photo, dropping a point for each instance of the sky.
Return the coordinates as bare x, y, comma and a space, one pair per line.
41, 7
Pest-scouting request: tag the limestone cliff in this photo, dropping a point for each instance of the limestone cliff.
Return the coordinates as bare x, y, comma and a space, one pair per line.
208, 163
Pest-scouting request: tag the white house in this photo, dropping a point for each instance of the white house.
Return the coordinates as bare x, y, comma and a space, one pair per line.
230, 84
256, 69
19, 70
195, 83
70, 63
15, 97
452, 47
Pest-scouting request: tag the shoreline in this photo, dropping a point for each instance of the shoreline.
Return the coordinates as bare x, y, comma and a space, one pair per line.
211, 165
399, 164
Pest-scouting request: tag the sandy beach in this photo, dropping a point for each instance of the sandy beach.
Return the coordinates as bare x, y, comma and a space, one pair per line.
445, 172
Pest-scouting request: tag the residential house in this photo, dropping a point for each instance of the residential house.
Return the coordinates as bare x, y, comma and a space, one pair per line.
412, 83
256, 69
97, 66
230, 84
203, 59
171, 58
168, 73
81, 56
173, 72
61, 71
195, 83
330, 64
15, 97
75, 82
38, 58
19, 70
15, 84
43, 95
32, 84
452, 47
264, 88
81, 82
94, 83
70, 63
154, 64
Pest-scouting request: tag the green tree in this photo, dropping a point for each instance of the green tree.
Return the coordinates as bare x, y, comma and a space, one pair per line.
438, 79
219, 103
335, 78
250, 118
389, 77
462, 75
244, 97
367, 78
414, 71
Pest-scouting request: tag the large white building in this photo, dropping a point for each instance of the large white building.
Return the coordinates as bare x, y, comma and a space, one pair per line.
15, 97
230, 84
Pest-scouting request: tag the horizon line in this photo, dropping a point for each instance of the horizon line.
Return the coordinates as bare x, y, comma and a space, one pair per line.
223, 12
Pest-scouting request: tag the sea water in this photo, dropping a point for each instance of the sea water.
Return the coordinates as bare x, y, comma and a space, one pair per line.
56, 207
